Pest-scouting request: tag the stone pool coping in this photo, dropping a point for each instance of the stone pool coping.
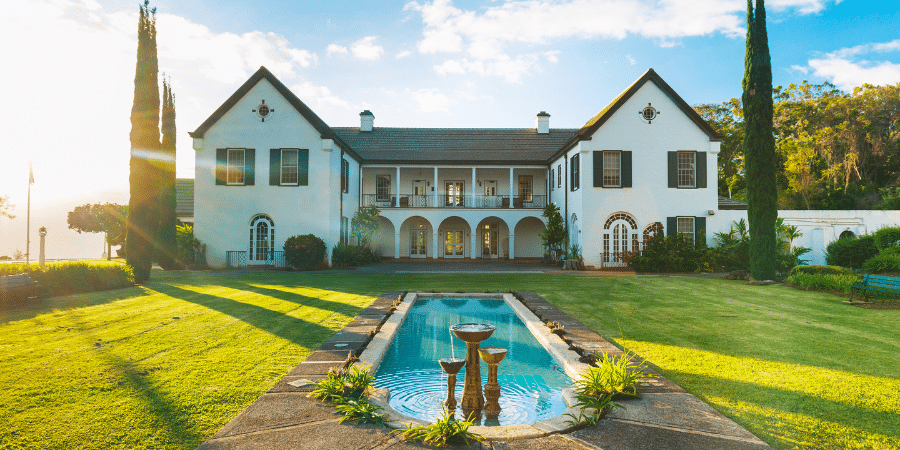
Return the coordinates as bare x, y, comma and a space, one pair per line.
376, 349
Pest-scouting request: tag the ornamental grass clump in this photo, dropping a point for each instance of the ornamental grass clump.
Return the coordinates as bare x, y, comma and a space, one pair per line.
345, 389
446, 430
612, 376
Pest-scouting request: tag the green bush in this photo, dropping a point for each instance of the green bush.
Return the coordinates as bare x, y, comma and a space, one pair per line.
831, 270
672, 253
851, 252
189, 249
887, 237
304, 252
343, 255
884, 262
74, 277
823, 281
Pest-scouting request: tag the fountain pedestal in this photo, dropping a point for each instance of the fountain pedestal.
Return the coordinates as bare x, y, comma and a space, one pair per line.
451, 367
472, 334
492, 356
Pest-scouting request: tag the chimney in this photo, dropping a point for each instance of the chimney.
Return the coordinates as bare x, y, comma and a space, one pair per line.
542, 119
366, 120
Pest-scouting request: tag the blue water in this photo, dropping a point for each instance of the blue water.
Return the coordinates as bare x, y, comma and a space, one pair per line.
530, 379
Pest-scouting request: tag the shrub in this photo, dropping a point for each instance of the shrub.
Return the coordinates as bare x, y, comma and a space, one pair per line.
823, 281
851, 251
74, 277
446, 430
304, 252
344, 255
884, 262
887, 237
672, 253
831, 270
189, 249
344, 384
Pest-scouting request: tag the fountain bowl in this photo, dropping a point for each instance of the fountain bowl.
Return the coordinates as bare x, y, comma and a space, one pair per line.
492, 355
452, 365
472, 332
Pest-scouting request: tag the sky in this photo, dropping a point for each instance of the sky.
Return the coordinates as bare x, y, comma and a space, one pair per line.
69, 72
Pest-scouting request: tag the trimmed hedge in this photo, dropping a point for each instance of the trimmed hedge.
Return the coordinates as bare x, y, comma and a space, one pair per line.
887, 237
823, 281
831, 270
74, 277
851, 252
344, 255
884, 262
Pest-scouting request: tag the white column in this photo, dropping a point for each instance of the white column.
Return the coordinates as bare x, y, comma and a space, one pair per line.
397, 187
434, 237
510, 194
397, 246
472, 244
435, 194
512, 246
471, 204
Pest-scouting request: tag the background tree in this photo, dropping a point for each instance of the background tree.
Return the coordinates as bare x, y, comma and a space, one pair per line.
759, 145
555, 236
365, 225
728, 119
142, 225
5, 206
166, 250
108, 218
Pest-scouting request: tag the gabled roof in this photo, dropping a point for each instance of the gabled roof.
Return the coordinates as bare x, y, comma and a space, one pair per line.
324, 130
184, 197
598, 120
454, 145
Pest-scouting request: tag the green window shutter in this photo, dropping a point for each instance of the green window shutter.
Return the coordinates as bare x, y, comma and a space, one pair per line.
574, 169
626, 169
701, 169
303, 167
598, 169
671, 226
221, 165
249, 167
274, 167
673, 169
700, 231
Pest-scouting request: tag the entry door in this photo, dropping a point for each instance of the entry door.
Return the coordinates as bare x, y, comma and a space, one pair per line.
490, 239
454, 193
419, 195
417, 239
491, 200
453, 244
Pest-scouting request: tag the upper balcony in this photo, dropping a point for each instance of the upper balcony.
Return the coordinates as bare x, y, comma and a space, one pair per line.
454, 201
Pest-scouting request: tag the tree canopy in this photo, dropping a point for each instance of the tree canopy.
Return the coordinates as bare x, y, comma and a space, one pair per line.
5, 206
108, 218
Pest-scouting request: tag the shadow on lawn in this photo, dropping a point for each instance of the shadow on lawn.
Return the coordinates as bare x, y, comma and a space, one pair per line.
37, 306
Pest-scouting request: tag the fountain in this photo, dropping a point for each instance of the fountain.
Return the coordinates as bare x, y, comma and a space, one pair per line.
492, 356
451, 366
472, 334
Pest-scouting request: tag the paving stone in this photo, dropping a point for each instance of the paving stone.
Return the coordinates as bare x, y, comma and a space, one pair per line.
311, 368
351, 346
619, 435
276, 411
353, 334
375, 310
363, 321
554, 442
377, 318
316, 436
296, 383
328, 356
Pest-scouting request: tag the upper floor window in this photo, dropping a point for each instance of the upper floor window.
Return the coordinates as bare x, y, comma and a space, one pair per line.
345, 176
382, 188
526, 188
559, 175
236, 166
612, 169
289, 166
687, 169
575, 172
552, 177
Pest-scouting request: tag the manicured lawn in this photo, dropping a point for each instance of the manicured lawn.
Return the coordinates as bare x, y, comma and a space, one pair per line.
168, 364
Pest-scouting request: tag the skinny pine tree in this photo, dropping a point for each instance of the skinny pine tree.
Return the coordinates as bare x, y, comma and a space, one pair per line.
144, 136
165, 246
759, 145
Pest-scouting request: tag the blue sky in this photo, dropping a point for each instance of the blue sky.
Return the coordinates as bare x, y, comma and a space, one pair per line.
429, 63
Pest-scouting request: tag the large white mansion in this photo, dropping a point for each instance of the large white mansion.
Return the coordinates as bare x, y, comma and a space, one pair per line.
267, 168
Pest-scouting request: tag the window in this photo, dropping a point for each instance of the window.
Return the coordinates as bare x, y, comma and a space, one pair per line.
262, 238
526, 188
651, 232
559, 175
552, 177
574, 163
289, 167
235, 166
382, 188
612, 169
686, 169
686, 228
345, 176
345, 230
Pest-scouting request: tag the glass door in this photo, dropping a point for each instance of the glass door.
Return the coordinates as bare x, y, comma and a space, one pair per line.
453, 244
454, 193
490, 238
419, 197
491, 200
417, 239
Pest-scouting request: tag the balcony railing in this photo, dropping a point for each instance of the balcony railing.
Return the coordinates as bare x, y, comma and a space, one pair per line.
272, 258
454, 201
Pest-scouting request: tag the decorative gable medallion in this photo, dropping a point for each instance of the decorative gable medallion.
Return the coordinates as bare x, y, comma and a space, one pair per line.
648, 113
263, 111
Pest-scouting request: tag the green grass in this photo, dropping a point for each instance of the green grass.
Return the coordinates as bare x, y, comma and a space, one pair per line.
118, 370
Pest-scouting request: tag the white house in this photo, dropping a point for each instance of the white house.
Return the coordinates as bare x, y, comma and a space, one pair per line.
267, 168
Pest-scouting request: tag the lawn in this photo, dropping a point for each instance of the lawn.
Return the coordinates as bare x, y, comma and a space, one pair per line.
167, 364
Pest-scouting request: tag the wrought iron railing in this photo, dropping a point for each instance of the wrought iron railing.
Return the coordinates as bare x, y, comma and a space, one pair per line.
454, 201
615, 260
271, 258
235, 259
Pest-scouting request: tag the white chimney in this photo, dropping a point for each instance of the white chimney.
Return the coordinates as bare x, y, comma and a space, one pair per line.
543, 122
366, 120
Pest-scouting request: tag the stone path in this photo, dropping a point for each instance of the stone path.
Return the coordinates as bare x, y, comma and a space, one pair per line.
665, 417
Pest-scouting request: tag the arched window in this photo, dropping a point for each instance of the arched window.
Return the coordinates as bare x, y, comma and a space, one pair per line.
620, 236
573, 238
653, 230
846, 234
262, 239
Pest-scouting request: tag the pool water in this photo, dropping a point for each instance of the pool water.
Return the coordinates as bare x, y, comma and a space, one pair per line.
531, 380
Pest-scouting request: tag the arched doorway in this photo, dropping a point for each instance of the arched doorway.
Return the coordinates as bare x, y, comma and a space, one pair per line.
620, 235
528, 243
454, 233
415, 238
492, 239
262, 240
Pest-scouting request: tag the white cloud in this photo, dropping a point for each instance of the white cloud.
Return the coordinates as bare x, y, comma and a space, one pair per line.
366, 48
552, 56
403, 54
848, 68
450, 66
430, 100
631, 59
334, 48
512, 69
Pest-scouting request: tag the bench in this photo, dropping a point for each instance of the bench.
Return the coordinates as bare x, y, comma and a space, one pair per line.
13, 287
880, 283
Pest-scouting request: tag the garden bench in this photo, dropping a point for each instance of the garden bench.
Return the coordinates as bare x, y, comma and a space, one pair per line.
880, 283
16, 287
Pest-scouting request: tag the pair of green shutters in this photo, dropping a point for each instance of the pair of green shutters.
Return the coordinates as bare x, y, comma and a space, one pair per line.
699, 227
626, 178
274, 166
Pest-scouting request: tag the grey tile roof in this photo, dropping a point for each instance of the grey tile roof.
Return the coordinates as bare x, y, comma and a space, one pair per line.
184, 197
730, 203
455, 145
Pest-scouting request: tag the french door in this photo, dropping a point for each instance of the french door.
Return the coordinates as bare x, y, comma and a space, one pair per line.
417, 243
453, 244
490, 240
454, 193
419, 199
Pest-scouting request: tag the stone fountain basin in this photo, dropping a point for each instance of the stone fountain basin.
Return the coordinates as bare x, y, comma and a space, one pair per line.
472, 332
492, 355
452, 365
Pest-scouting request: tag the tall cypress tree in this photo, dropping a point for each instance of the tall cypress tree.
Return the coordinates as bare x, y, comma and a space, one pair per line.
144, 136
165, 245
759, 145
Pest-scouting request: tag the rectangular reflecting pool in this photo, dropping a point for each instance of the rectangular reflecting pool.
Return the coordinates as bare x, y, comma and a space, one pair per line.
531, 379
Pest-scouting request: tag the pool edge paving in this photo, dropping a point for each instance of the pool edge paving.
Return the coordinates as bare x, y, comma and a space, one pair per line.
665, 417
